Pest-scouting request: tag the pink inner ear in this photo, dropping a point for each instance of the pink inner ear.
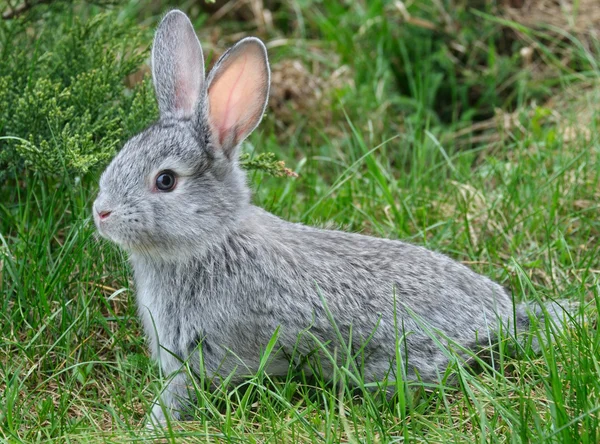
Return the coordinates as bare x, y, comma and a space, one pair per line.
232, 86
237, 95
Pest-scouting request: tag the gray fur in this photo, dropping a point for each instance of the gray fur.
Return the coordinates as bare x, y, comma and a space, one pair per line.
212, 268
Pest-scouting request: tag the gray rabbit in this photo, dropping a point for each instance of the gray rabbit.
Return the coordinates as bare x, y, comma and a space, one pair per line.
214, 271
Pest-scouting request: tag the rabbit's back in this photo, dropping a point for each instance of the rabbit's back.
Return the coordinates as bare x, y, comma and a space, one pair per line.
268, 274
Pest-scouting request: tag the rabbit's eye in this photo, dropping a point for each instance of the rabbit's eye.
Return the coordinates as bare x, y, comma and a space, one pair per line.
165, 181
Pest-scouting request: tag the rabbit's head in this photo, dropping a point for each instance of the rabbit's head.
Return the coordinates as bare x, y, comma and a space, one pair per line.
177, 185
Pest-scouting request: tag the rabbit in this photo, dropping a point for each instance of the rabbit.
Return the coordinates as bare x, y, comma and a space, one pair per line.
212, 270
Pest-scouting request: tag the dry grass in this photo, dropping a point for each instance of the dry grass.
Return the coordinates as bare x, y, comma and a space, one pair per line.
299, 92
579, 100
580, 17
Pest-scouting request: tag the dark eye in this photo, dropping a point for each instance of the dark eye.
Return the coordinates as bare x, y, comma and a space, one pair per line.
165, 181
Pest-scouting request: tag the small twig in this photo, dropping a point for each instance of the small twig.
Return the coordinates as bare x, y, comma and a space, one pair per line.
23, 7
224, 10
416, 21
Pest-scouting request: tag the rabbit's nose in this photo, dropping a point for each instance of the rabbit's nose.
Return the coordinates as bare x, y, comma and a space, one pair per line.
104, 214
101, 210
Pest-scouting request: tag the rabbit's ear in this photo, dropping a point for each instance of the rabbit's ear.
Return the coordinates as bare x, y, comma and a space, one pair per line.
238, 89
177, 66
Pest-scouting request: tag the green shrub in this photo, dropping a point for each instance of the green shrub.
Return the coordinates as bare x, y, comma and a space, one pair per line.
64, 104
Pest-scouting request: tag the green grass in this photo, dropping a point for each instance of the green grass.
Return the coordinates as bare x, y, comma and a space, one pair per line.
388, 154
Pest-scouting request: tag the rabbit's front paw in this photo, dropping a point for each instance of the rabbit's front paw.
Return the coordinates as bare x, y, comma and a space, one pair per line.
158, 418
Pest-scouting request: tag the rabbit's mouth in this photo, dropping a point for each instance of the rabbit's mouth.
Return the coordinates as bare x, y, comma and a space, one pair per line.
129, 245
115, 223
104, 232
130, 235
108, 227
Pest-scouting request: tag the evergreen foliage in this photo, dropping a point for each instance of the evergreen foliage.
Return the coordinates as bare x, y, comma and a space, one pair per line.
64, 104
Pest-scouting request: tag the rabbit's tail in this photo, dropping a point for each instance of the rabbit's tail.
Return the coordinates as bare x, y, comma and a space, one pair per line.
556, 315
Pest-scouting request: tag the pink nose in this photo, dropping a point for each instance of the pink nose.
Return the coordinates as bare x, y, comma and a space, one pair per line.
104, 214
